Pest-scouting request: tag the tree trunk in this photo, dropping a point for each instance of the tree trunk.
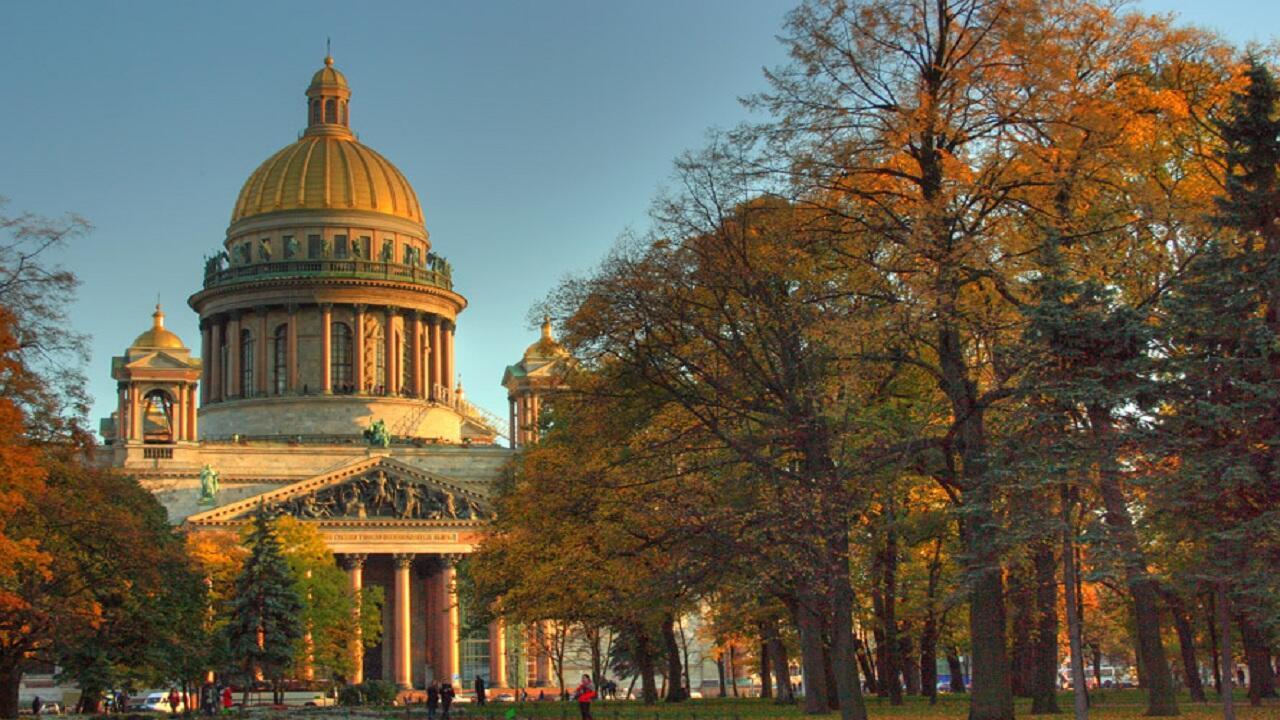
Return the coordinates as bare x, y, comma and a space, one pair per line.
675, 676
1044, 650
724, 689
10, 683
910, 664
813, 657
1257, 655
864, 662
1070, 591
1224, 629
1161, 698
643, 653
929, 633
845, 664
956, 670
1213, 644
766, 677
1186, 645
1022, 609
733, 669
781, 667
888, 652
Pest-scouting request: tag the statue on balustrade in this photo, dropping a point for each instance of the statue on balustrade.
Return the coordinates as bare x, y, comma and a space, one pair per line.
209, 481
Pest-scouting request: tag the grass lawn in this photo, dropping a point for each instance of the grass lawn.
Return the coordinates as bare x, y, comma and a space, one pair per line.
1106, 705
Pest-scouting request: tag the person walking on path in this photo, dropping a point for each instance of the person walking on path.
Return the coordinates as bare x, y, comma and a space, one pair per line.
227, 699
446, 700
173, 700
480, 698
433, 699
584, 694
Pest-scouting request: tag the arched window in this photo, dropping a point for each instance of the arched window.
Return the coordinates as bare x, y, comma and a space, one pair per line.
340, 357
224, 382
344, 112
379, 360
315, 111
280, 353
157, 417
246, 363
330, 111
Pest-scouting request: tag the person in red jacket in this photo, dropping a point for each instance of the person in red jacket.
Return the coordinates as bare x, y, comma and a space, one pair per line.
584, 694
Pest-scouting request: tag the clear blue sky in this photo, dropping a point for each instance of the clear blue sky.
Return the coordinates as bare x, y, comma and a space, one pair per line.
534, 132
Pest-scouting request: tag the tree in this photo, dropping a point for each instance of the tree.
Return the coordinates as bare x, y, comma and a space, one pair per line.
266, 613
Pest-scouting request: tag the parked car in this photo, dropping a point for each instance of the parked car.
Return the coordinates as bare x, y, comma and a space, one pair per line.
321, 700
504, 697
159, 702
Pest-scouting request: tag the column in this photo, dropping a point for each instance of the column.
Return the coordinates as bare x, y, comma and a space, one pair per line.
326, 342
446, 360
215, 363
414, 333
355, 572
513, 431
402, 649
192, 415
497, 654
451, 586
233, 357
206, 341
393, 357
135, 414
357, 349
265, 343
177, 415
291, 333
434, 380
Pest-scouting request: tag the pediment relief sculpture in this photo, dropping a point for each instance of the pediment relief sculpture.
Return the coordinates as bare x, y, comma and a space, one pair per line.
378, 494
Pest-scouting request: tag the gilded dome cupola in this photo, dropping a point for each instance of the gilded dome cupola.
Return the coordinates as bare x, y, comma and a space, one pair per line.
328, 99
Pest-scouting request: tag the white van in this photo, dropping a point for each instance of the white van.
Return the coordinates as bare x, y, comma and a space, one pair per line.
159, 702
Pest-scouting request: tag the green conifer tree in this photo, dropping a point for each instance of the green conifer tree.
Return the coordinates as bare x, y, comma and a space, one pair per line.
266, 618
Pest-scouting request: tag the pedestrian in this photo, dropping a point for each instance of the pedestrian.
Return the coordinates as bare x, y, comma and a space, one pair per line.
35, 705
226, 698
208, 699
584, 694
480, 698
446, 700
433, 699
174, 700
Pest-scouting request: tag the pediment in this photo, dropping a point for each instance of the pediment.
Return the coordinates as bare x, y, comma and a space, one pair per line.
374, 489
158, 361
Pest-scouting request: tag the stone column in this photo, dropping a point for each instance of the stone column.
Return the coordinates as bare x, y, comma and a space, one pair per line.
357, 349
192, 415
415, 353
393, 357
233, 357
497, 654
291, 350
355, 572
542, 669
402, 647
326, 345
447, 373
206, 342
135, 413
177, 415
513, 431
434, 379
451, 587
261, 379
215, 363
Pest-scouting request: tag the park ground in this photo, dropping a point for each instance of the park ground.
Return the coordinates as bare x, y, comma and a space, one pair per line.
1106, 705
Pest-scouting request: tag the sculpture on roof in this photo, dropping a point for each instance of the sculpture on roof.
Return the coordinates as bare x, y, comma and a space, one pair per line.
377, 434
208, 485
380, 495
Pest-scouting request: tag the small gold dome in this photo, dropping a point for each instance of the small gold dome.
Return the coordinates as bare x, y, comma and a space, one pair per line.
158, 337
331, 172
546, 348
328, 75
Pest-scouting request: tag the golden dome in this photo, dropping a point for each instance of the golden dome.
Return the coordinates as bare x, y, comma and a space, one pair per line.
328, 75
327, 169
329, 172
546, 348
158, 337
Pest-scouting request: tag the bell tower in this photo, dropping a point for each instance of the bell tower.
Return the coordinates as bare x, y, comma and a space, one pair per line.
537, 374
156, 380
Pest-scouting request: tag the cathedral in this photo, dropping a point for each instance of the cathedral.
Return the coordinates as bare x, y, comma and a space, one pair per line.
325, 389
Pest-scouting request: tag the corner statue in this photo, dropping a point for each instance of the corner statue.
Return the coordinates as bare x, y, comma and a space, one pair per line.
377, 434
208, 486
